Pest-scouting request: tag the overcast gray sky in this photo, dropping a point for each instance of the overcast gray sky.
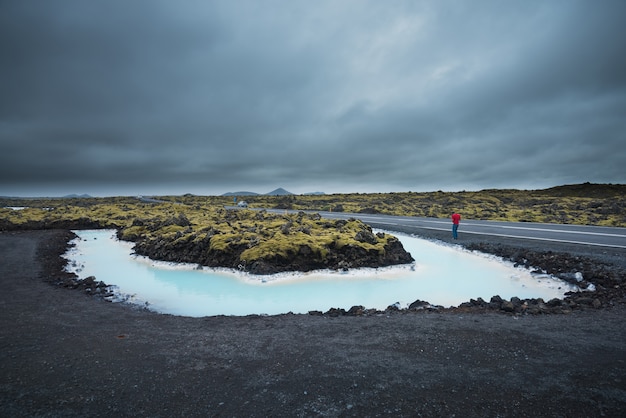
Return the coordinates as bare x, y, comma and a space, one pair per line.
171, 97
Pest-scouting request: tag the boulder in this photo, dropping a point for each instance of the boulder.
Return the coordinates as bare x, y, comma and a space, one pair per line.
418, 305
366, 236
356, 311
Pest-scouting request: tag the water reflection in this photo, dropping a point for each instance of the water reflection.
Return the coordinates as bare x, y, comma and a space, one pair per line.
442, 275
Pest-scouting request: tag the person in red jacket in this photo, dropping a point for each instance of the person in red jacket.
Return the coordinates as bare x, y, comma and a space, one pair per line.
456, 218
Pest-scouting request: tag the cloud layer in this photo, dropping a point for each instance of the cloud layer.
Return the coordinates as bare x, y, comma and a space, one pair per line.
118, 97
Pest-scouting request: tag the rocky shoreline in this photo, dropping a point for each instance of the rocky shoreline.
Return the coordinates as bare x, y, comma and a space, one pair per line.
604, 280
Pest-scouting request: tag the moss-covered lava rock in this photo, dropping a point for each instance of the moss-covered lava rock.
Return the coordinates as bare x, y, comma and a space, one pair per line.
263, 243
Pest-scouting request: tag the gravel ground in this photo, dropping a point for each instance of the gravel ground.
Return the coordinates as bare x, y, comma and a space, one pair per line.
63, 353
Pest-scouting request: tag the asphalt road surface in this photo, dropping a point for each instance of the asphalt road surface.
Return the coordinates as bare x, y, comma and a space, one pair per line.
612, 237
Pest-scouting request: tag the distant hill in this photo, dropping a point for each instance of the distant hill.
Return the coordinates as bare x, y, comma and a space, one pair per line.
76, 196
240, 194
279, 192
591, 190
314, 194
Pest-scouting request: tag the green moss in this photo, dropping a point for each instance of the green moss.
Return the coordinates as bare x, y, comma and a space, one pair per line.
286, 245
347, 240
221, 242
170, 230
133, 232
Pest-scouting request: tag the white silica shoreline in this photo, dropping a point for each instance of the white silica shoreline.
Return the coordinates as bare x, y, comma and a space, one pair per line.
444, 275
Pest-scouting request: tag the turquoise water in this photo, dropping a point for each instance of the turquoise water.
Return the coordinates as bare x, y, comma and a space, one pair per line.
442, 275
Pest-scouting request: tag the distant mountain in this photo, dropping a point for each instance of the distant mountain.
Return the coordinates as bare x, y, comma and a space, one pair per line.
76, 196
240, 194
279, 192
315, 193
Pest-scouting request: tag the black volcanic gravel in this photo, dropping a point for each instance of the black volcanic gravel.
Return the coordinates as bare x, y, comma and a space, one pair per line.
66, 354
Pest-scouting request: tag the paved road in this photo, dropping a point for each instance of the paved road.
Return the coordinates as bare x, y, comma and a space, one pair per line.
573, 234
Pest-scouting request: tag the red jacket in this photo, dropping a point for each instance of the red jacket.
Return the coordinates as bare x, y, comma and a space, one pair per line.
456, 218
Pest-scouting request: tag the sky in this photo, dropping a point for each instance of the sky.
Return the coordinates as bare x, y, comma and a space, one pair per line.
145, 97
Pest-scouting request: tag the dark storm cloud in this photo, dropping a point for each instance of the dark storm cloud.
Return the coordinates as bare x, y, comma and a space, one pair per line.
207, 97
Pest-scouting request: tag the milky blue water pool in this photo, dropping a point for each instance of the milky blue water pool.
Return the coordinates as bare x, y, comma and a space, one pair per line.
442, 275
